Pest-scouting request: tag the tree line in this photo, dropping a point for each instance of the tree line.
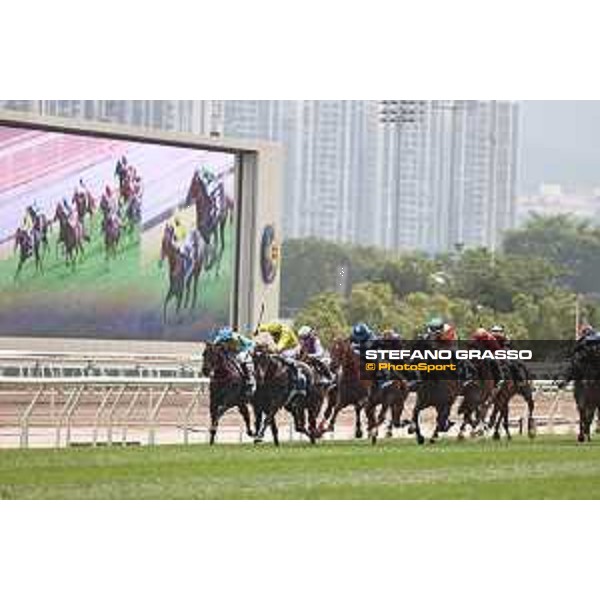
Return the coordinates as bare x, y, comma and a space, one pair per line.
530, 285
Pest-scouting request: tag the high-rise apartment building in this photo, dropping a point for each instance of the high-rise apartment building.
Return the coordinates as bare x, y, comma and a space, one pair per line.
203, 117
442, 174
447, 176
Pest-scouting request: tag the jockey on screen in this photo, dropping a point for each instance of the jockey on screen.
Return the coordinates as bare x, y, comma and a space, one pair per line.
184, 242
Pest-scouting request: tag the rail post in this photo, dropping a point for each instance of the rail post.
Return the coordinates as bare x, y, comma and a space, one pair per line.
154, 415
24, 441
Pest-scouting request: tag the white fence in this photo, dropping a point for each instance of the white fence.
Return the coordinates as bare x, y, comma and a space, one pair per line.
64, 399
102, 409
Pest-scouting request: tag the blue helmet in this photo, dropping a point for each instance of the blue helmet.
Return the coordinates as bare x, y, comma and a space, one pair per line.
361, 332
224, 335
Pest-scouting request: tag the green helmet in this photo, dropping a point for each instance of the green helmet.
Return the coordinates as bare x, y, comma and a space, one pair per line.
435, 324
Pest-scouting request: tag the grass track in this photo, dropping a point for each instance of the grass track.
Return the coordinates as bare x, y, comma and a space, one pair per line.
549, 467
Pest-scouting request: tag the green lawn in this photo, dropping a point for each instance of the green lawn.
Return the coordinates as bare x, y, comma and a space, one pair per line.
549, 467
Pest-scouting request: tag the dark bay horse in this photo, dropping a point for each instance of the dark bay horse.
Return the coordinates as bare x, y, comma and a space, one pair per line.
182, 278
477, 397
227, 387
509, 388
390, 397
275, 392
212, 215
28, 245
41, 226
587, 400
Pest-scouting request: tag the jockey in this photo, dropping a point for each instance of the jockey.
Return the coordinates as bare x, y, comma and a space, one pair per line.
503, 340
241, 348
484, 340
121, 169
284, 337
361, 333
180, 230
441, 331
310, 344
183, 240
68, 208
286, 344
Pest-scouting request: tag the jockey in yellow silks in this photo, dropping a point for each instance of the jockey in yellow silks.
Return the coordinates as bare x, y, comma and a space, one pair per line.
284, 336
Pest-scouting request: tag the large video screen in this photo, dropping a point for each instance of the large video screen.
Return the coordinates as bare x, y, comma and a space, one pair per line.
114, 239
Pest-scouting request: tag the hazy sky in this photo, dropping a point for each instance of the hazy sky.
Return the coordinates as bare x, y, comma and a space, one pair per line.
560, 143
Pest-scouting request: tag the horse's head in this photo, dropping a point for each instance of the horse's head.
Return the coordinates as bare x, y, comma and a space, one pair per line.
168, 242
209, 359
340, 349
59, 214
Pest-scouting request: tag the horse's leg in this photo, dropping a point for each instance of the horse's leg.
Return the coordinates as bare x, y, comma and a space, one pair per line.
505, 419
243, 408
19, 267
415, 419
214, 423
195, 289
313, 410
370, 410
331, 402
443, 412
167, 299
358, 431
528, 396
275, 432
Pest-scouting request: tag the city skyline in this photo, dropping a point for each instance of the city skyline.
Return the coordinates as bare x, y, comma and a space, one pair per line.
452, 177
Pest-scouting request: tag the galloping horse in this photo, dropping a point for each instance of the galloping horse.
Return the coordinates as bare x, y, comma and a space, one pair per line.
179, 281
70, 234
85, 204
275, 391
477, 396
501, 401
391, 397
227, 387
41, 226
211, 218
350, 389
111, 226
28, 245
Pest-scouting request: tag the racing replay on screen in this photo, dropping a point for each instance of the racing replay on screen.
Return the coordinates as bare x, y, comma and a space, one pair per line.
114, 238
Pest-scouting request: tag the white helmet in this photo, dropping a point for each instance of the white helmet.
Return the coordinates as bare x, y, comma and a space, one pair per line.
497, 329
305, 331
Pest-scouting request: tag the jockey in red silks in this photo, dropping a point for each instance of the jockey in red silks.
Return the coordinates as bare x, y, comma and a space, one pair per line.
482, 339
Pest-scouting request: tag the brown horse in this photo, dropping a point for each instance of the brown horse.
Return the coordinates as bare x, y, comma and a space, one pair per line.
85, 204
182, 277
391, 397
509, 388
70, 234
477, 397
212, 215
227, 387
350, 390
